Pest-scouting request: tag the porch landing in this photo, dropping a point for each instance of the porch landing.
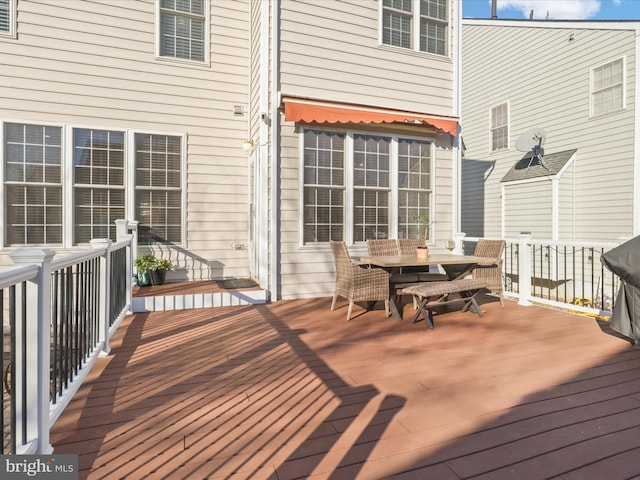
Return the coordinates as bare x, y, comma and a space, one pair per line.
197, 294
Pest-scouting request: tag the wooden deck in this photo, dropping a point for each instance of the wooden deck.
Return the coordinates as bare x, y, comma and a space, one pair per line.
291, 390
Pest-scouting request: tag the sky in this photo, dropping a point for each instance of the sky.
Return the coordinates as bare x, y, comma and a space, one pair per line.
556, 9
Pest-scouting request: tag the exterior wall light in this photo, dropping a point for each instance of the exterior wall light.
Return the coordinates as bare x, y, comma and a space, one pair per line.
248, 145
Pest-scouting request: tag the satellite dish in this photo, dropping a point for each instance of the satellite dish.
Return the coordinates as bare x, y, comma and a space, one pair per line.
532, 141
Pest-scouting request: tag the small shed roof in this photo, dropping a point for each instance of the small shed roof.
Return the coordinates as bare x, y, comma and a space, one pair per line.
529, 167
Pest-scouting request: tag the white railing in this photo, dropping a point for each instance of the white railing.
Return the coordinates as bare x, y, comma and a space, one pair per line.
566, 275
58, 314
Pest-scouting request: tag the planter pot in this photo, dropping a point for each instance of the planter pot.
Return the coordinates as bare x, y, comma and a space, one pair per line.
158, 277
144, 279
422, 252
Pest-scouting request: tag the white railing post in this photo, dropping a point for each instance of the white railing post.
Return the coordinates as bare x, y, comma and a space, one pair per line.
524, 269
104, 287
38, 351
458, 239
132, 226
122, 233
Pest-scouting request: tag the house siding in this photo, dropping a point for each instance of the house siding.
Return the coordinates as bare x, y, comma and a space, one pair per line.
534, 198
330, 51
545, 77
567, 205
92, 63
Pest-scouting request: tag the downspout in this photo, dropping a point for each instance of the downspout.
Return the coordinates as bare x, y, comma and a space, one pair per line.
636, 143
457, 110
274, 263
261, 215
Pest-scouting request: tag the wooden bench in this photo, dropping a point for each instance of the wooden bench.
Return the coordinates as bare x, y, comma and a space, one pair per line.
426, 292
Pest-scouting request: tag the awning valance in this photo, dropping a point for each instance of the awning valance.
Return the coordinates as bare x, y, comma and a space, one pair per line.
309, 111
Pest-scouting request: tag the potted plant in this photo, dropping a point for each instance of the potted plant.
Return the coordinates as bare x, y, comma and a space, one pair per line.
159, 273
422, 229
151, 269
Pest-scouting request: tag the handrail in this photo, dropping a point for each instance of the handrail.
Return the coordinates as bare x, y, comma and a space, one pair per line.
61, 313
562, 274
14, 275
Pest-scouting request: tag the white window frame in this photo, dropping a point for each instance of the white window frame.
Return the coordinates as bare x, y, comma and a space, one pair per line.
131, 169
416, 30
207, 36
493, 127
623, 84
348, 186
67, 175
3, 217
11, 33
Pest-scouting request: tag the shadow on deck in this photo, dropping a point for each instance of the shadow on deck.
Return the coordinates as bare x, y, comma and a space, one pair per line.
291, 390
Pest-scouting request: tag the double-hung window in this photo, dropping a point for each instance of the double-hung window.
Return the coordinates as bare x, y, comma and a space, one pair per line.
419, 25
32, 184
361, 186
98, 188
183, 29
500, 127
158, 196
37, 162
8, 18
607, 88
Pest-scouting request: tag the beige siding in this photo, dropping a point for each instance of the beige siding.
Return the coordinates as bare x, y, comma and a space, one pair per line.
93, 63
528, 208
545, 78
330, 51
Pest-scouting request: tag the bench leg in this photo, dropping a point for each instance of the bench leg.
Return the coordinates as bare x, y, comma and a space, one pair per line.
470, 302
423, 310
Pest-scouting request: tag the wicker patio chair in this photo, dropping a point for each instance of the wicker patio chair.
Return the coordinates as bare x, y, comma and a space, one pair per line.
390, 247
357, 283
491, 274
408, 246
382, 247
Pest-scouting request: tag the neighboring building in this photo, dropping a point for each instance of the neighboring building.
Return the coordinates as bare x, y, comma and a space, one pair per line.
577, 81
139, 110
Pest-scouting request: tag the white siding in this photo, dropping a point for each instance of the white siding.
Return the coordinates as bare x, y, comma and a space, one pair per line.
567, 205
545, 78
93, 63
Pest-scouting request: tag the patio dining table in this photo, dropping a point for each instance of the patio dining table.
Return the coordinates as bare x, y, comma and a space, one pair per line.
454, 266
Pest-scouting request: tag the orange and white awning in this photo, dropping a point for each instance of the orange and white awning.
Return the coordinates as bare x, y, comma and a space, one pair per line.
316, 111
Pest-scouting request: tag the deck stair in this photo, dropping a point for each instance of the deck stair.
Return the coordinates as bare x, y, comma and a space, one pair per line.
197, 294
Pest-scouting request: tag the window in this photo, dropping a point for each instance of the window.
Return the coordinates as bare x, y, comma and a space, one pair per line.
607, 88
416, 24
414, 189
33, 184
183, 29
98, 167
7, 17
500, 127
36, 162
158, 187
360, 186
324, 186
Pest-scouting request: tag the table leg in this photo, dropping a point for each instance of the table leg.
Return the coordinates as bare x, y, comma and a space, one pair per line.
394, 309
457, 271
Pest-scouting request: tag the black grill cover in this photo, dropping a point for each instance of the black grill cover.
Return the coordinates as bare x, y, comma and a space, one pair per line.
624, 261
